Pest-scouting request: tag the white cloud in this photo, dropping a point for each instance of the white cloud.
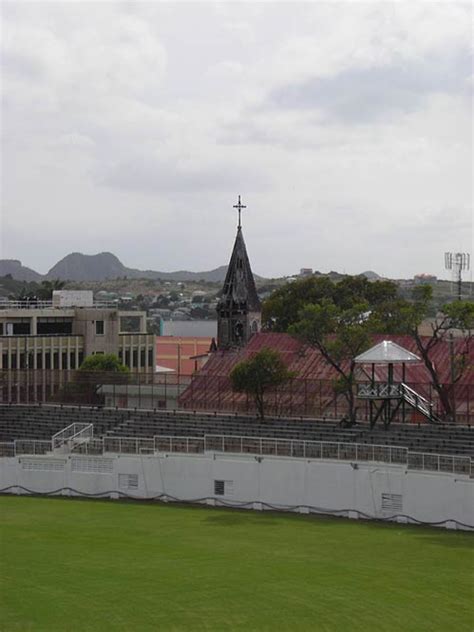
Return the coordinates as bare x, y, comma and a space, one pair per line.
346, 126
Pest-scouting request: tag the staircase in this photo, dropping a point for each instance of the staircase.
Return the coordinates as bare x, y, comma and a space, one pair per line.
418, 402
71, 437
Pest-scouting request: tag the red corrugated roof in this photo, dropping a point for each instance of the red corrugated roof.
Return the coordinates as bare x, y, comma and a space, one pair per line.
308, 363
211, 387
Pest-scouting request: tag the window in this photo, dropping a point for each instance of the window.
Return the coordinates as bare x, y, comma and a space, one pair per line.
92, 465
219, 488
21, 328
128, 481
392, 503
99, 327
46, 326
223, 488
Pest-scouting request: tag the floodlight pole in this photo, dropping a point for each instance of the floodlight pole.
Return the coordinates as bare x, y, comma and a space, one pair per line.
457, 262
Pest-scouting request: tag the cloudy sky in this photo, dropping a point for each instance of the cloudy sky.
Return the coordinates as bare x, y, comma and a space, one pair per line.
132, 127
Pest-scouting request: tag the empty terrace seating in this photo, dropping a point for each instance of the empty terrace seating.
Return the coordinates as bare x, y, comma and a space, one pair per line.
440, 439
41, 422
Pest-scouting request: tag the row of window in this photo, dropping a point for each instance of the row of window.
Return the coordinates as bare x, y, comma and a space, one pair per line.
45, 327
130, 358
51, 360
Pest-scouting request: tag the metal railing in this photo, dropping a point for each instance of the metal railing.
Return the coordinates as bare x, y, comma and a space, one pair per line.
25, 447
258, 446
378, 390
73, 435
37, 304
440, 463
344, 451
416, 400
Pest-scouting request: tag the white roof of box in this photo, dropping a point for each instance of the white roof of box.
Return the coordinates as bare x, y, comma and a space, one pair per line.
386, 352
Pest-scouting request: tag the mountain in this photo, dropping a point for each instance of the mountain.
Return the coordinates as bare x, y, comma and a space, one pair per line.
79, 267
18, 271
105, 265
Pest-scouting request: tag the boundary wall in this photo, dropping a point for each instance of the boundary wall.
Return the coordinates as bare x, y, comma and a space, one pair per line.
349, 489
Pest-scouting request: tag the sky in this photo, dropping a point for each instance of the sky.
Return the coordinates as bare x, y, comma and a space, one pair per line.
132, 127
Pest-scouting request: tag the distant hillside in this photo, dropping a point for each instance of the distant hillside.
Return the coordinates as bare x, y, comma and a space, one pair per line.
100, 267
371, 275
18, 271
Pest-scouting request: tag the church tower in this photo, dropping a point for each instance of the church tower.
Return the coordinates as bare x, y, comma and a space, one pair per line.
239, 311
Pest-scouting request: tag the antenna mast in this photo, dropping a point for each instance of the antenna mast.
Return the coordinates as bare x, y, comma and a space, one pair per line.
457, 262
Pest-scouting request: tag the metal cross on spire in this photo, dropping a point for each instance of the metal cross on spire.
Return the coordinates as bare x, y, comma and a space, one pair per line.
239, 206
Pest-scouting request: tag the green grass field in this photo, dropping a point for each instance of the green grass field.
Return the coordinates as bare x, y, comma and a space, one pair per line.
104, 565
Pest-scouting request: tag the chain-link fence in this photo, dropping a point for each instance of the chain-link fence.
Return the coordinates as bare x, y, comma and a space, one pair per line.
148, 391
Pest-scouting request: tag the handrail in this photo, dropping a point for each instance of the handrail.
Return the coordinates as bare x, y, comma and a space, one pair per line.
399, 390
258, 446
73, 433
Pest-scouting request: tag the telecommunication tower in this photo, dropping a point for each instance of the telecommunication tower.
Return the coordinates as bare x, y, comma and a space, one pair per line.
457, 262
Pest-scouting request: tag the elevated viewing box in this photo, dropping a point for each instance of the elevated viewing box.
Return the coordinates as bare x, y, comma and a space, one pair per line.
388, 353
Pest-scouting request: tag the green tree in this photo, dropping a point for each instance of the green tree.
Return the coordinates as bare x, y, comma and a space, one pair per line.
339, 335
405, 317
281, 310
46, 289
257, 375
105, 363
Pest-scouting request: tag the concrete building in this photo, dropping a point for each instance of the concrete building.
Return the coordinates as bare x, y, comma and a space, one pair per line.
36, 335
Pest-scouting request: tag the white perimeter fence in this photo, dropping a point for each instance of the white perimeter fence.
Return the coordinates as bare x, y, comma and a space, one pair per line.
258, 446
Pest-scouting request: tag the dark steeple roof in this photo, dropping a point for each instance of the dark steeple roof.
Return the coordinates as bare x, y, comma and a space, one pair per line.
239, 285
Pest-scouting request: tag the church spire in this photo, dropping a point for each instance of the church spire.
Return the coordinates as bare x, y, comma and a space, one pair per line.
239, 308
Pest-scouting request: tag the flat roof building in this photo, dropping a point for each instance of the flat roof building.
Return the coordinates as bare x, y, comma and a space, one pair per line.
39, 335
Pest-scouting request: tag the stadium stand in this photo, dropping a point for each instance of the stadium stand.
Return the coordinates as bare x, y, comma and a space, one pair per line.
41, 422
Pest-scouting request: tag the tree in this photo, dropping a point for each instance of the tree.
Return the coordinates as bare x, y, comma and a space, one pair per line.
340, 335
105, 363
257, 375
45, 290
332, 316
403, 316
282, 308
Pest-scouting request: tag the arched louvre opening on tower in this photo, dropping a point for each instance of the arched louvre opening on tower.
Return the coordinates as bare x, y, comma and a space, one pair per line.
239, 308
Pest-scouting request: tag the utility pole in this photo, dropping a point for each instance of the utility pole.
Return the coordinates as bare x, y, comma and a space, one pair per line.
453, 373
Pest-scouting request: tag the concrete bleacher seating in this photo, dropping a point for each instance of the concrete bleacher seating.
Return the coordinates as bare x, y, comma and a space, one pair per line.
41, 422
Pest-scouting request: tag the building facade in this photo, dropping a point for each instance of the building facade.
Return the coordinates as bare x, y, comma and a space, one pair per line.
40, 336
